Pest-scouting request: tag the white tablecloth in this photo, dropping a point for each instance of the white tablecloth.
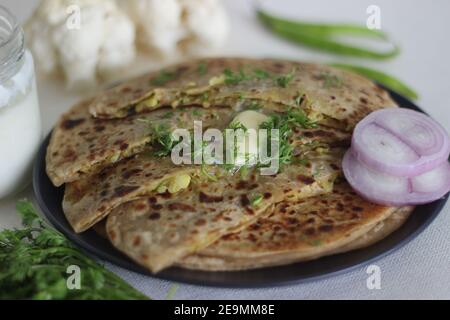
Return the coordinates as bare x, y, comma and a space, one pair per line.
421, 269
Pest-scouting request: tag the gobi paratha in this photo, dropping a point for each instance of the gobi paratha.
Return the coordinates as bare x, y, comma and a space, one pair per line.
297, 231
215, 263
158, 230
330, 96
82, 145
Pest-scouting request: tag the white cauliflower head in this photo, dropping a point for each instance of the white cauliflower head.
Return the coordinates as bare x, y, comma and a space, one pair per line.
206, 23
168, 25
158, 22
101, 43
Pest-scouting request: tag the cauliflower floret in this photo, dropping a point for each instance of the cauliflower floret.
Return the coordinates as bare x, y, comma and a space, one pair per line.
171, 25
103, 42
158, 23
206, 23
118, 46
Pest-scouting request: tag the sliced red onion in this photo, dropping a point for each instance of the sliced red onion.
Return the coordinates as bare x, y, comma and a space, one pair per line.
385, 189
400, 142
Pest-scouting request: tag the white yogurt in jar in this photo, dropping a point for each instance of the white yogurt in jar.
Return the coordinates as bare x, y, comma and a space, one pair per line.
20, 122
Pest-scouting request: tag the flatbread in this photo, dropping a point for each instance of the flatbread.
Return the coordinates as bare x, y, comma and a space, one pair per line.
90, 199
380, 231
330, 96
295, 231
191, 220
202, 262
82, 145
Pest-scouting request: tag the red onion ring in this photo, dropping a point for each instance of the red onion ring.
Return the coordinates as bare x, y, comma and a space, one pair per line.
390, 190
400, 142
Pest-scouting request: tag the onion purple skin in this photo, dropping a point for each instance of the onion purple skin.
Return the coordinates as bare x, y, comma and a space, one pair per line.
385, 199
422, 165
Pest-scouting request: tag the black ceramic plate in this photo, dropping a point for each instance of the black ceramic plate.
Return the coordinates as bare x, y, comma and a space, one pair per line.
50, 198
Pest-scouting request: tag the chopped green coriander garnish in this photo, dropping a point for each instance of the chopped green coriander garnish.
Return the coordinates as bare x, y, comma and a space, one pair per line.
284, 80
330, 80
316, 243
261, 74
205, 96
236, 125
284, 123
168, 115
234, 78
163, 77
254, 105
256, 200
209, 176
162, 140
298, 117
202, 68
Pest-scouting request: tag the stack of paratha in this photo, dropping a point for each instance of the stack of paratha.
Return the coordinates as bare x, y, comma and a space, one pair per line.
107, 152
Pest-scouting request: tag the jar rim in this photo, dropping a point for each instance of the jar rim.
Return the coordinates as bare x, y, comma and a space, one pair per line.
12, 21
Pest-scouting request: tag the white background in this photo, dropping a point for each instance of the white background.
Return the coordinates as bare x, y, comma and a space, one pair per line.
419, 270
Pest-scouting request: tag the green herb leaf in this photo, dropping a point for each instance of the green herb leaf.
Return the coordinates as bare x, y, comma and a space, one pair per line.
34, 261
254, 105
234, 78
202, 68
261, 74
284, 122
330, 80
236, 125
162, 140
163, 77
256, 200
209, 176
283, 81
168, 115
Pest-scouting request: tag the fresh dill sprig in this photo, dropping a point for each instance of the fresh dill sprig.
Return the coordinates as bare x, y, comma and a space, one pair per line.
162, 140
261, 74
284, 80
204, 171
256, 199
197, 112
236, 125
298, 118
330, 80
34, 263
284, 123
280, 123
163, 77
202, 68
234, 78
254, 105
168, 115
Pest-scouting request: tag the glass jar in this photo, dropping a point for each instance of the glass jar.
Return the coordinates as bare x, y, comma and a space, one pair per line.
20, 122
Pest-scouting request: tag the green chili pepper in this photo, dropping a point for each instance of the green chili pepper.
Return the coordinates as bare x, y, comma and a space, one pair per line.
382, 78
320, 36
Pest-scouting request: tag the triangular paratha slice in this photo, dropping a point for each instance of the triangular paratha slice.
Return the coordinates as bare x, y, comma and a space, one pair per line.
82, 145
158, 230
297, 231
328, 95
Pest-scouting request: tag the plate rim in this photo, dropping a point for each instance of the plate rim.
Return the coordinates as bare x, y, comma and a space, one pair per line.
121, 260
